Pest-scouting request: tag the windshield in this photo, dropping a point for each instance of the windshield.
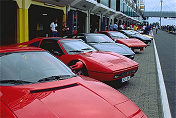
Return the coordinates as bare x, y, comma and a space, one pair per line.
98, 39
30, 67
129, 32
134, 32
76, 46
115, 35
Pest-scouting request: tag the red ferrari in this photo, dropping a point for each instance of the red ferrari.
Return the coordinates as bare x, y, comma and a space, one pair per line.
104, 66
35, 84
133, 43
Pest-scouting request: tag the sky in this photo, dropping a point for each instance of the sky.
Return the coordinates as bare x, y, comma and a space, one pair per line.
154, 5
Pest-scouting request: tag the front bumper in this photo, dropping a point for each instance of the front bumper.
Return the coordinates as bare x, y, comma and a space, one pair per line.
115, 75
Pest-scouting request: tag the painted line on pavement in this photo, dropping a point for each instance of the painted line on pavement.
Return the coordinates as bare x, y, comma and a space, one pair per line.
163, 93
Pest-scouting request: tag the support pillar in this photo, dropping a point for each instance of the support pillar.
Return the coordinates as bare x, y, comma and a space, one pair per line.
100, 22
22, 20
88, 22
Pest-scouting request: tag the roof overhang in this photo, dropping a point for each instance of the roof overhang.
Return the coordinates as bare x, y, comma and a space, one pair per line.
57, 2
100, 9
83, 4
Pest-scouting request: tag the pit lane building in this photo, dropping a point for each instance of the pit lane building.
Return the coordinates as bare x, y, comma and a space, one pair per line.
23, 20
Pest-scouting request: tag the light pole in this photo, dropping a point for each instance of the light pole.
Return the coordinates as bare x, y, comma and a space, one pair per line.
161, 11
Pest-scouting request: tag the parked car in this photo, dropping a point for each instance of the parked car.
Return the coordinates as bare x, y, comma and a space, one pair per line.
35, 84
119, 37
149, 36
132, 34
104, 66
102, 42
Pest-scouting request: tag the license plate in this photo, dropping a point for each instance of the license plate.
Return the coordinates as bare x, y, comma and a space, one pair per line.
125, 79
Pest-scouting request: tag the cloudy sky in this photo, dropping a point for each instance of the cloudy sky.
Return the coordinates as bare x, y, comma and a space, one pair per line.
154, 5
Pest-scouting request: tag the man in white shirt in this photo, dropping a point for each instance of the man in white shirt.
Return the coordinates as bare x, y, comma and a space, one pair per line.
53, 26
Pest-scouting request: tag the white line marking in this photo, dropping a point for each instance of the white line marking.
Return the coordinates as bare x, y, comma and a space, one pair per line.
164, 99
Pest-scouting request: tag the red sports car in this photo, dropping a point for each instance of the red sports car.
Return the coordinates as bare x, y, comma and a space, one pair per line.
119, 37
104, 66
35, 84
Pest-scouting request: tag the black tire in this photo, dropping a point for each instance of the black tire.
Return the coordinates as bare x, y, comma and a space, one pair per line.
83, 71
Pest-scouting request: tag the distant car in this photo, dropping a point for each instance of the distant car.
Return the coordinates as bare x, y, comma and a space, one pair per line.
149, 36
141, 32
35, 84
133, 34
102, 42
119, 37
104, 66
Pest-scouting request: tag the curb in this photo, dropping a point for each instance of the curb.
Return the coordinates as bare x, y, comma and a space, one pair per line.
163, 93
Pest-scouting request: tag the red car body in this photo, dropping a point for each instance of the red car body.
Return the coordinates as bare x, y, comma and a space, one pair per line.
76, 97
132, 43
100, 65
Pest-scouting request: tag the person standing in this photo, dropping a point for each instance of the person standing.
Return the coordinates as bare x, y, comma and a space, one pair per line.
111, 27
135, 28
53, 25
156, 28
143, 28
121, 27
147, 29
65, 29
115, 27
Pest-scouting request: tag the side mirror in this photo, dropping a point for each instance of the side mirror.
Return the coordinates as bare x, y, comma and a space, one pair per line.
77, 66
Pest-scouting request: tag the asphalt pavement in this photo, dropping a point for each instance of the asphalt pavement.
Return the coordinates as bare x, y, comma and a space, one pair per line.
166, 46
143, 88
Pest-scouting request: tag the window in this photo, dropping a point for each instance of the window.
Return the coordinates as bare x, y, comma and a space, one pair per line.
113, 4
51, 46
105, 2
36, 44
80, 37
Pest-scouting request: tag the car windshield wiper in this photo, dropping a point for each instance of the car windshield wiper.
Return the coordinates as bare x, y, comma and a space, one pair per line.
106, 42
75, 51
60, 77
93, 42
86, 49
14, 82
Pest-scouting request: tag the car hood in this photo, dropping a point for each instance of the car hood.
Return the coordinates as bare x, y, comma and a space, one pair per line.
71, 98
108, 61
132, 42
117, 48
141, 37
147, 36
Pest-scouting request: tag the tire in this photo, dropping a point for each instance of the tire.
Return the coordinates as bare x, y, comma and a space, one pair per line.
83, 71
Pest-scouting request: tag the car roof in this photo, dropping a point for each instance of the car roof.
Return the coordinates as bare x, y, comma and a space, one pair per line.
18, 48
57, 38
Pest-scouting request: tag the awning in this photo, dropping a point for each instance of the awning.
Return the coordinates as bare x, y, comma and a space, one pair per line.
84, 4
57, 2
100, 9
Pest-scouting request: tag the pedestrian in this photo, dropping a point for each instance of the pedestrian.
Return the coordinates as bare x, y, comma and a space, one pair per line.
111, 27
135, 27
143, 28
53, 25
121, 27
115, 27
156, 28
65, 29
147, 29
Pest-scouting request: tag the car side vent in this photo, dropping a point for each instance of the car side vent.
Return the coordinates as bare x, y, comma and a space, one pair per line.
55, 88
